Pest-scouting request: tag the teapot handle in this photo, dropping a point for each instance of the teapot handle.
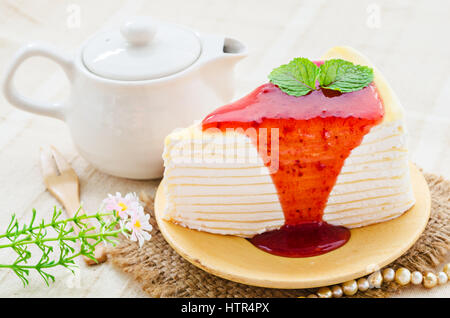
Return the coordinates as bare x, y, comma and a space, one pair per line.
18, 100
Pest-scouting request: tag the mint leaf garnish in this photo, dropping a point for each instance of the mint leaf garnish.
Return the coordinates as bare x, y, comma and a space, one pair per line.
344, 76
297, 78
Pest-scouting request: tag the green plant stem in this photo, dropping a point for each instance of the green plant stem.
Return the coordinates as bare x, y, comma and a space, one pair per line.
11, 266
78, 218
66, 238
67, 232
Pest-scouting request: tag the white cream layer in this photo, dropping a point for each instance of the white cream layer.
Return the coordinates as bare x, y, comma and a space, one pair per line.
217, 182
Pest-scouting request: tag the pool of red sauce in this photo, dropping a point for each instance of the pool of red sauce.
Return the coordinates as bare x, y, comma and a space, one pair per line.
317, 132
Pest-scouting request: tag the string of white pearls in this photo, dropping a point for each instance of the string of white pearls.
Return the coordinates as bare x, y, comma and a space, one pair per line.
401, 276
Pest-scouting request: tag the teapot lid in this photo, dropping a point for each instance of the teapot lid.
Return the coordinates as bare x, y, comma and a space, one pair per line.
143, 50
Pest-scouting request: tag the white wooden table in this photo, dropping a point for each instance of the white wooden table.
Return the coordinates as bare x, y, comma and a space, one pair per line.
407, 40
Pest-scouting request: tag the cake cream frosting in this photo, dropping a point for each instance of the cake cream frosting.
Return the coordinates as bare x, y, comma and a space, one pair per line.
216, 181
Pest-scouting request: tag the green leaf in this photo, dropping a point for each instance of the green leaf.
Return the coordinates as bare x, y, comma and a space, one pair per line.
344, 76
297, 78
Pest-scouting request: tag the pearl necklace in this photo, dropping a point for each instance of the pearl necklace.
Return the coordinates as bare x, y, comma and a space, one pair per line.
401, 276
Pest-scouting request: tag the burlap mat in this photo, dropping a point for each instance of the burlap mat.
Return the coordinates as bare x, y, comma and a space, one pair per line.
163, 273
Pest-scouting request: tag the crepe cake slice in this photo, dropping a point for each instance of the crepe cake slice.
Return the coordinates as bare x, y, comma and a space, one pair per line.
216, 179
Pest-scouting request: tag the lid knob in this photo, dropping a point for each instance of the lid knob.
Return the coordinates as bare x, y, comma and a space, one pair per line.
138, 31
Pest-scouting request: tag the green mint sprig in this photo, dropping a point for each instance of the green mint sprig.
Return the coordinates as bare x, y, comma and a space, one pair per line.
20, 238
299, 76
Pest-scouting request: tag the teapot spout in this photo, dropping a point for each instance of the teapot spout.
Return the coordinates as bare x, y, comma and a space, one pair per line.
217, 62
217, 48
234, 48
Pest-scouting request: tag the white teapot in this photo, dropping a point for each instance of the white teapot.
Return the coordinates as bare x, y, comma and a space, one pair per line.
129, 89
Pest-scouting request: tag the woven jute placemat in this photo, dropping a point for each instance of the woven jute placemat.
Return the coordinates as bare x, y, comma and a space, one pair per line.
163, 273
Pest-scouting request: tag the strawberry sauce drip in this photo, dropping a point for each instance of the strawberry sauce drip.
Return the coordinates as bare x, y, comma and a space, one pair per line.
302, 240
317, 132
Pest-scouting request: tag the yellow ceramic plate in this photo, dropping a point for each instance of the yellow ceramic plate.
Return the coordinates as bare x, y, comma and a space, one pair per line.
236, 259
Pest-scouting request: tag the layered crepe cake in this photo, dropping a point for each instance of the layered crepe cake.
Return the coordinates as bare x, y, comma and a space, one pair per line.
292, 174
